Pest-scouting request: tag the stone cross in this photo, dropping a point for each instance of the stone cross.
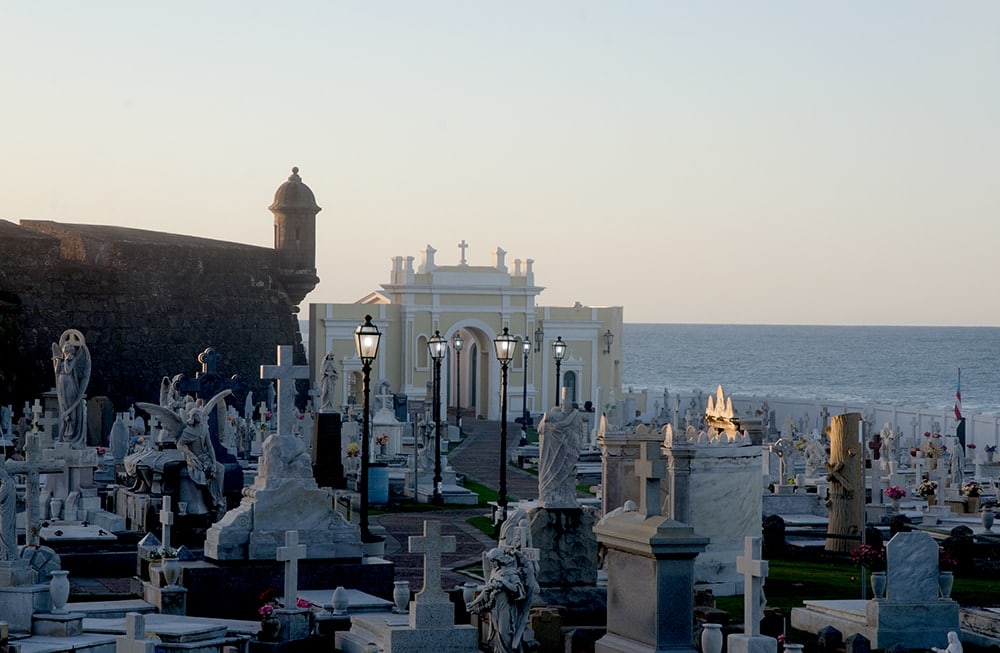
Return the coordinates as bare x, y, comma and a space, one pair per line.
134, 640
290, 554
49, 424
285, 372
31, 467
754, 572
432, 544
166, 521
650, 468
462, 246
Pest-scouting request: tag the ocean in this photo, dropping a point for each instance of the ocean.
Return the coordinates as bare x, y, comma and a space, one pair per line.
909, 366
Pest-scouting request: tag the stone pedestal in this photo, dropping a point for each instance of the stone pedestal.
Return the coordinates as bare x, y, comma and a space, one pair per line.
67, 624
650, 562
18, 604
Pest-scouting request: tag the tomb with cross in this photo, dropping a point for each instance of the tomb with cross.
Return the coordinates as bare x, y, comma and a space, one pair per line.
207, 383
650, 563
431, 624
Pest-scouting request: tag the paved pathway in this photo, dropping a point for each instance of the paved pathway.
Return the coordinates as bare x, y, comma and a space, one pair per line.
478, 458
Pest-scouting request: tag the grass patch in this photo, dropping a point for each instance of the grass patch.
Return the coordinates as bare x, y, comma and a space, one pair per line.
483, 524
484, 493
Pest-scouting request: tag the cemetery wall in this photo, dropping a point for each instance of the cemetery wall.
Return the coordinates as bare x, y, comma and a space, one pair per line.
147, 304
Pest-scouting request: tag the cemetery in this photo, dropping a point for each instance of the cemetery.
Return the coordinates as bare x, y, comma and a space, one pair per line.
256, 530
384, 497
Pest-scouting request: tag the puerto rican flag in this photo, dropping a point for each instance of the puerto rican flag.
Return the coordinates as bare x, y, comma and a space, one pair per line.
958, 396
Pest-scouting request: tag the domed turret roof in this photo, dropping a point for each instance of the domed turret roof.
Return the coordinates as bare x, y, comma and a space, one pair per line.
293, 195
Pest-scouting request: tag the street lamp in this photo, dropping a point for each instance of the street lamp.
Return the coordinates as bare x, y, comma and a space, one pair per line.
505, 345
366, 340
437, 346
456, 343
608, 339
525, 419
558, 351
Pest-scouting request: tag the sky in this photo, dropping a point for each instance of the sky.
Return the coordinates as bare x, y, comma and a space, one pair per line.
694, 162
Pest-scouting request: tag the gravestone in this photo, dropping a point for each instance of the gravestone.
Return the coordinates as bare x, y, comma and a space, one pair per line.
754, 571
285, 373
913, 613
650, 563
430, 622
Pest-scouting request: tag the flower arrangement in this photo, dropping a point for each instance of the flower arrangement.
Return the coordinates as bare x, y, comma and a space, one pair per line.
894, 492
927, 434
971, 446
945, 561
914, 451
163, 552
382, 439
265, 610
101, 451
972, 489
866, 555
991, 448
926, 488
936, 436
353, 450
790, 480
302, 603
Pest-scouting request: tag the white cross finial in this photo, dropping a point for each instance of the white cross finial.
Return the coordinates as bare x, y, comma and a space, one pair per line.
650, 468
290, 554
432, 544
285, 372
754, 572
462, 246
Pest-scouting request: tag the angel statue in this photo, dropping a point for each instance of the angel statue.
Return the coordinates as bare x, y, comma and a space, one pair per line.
188, 427
71, 362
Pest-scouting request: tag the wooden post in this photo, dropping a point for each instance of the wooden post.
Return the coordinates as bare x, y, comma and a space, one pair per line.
846, 477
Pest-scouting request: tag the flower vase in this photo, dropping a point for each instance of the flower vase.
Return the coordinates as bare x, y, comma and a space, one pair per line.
401, 596
55, 508
59, 590
931, 500
989, 457
269, 629
469, 592
972, 505
877, 580
946, 580
986, 517
340, 600
895, 505
170, 570
711, 638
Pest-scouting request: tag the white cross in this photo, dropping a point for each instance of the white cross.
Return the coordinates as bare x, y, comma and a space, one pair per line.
32, 466
166, 521
432, 544
462, 246
754, 572
650, 468
285, 372
290, 554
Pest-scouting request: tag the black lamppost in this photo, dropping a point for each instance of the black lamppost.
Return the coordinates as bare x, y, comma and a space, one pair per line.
505, 345
456, 343
437, 346
366, 340
558, 351
609, 339
525, 419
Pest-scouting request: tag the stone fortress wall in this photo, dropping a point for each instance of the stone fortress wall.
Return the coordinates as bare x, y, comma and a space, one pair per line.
148, 303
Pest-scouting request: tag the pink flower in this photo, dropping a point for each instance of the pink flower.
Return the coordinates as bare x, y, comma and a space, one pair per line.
265, 610
302, 603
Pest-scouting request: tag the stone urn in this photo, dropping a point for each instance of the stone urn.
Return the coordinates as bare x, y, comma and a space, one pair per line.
946, 580
401, 596
339, 600
878, 581
711, 638
170, 570
270, 626
986, 517
59, 590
